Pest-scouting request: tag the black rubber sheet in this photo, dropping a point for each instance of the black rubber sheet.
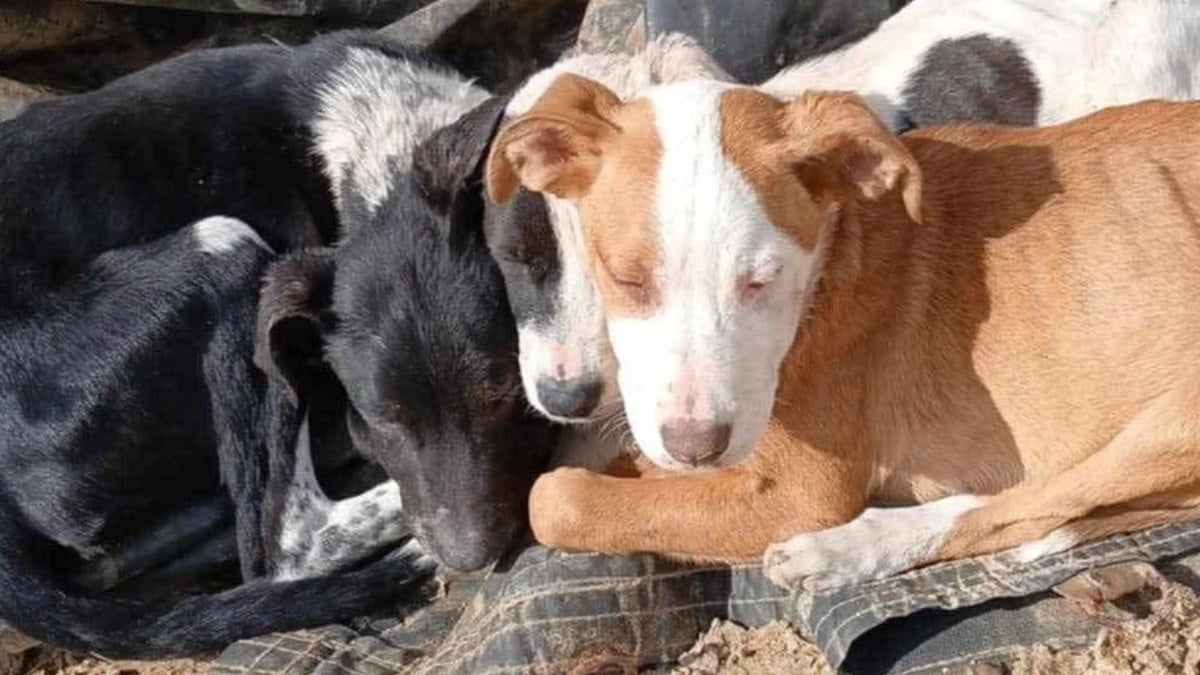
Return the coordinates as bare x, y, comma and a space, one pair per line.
553, 612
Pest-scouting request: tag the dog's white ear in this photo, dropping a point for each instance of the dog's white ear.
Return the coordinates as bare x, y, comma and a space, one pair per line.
836, 143
556, 147
290, 345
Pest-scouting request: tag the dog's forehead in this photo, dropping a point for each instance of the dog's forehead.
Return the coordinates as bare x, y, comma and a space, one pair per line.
716, 154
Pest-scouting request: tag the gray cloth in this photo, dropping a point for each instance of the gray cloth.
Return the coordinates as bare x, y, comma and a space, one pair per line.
552, 612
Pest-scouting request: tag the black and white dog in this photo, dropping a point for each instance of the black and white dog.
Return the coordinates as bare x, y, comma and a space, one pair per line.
1023, 62
127, 388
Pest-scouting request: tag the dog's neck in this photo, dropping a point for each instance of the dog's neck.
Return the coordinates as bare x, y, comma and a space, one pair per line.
864, 273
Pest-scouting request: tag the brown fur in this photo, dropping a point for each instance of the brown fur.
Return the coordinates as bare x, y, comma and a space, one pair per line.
1001, 311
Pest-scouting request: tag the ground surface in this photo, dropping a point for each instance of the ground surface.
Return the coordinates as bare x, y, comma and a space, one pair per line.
1164, 641
56, 662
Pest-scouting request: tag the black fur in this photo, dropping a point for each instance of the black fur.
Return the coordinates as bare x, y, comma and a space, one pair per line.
519, 233
126, 381
118, 395
411, 315
973, 79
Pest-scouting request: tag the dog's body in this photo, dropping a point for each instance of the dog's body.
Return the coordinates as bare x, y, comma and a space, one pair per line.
128, 394
965, 311
128, 388
1012, 61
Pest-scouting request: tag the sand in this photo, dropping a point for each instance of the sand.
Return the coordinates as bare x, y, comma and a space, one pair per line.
44, 661
1164, 642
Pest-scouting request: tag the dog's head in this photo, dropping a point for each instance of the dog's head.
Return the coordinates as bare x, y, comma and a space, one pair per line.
566, 362
409, 312
567, 365
705, 208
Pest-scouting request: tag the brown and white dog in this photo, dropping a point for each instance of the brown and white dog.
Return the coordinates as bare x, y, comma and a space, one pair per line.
999, 325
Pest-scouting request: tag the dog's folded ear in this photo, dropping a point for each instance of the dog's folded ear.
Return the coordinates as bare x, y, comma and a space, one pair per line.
450, 160
556, 146
293, 316
836, 143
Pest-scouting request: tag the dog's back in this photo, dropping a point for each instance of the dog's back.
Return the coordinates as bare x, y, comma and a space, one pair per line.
225, 131
1064, 264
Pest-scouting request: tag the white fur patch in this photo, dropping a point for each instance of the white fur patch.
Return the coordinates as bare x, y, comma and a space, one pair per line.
878, 543
578, 328
1085, 54
220, 234
375, 111
1057, 541
320, 536
712, 231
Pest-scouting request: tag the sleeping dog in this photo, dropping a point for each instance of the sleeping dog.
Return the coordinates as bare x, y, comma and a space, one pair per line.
995, 323
566, 362
1009, 61
126, 383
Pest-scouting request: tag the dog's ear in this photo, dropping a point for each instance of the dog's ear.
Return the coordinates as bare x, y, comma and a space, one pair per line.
556, 146
451, 159
293, 315
837, 143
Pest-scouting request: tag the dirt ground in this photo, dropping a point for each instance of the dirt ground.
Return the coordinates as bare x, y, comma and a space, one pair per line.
729, 649
1165, 642
56, 662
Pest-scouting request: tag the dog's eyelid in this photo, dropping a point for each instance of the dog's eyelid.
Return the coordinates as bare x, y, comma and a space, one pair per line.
761, 273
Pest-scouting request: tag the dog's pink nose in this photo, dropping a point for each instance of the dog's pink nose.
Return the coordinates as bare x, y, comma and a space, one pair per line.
695, 442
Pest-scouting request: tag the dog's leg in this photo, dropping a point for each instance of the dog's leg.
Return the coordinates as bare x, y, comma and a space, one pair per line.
1149, 473
320, 536
726, 515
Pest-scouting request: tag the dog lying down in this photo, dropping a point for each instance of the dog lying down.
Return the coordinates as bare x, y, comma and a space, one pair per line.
997, 325
1003, 61
129, 318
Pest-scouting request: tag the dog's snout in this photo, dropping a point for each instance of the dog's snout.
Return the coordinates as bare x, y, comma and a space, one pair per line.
465, 548
570, 399
471, 552
695, 442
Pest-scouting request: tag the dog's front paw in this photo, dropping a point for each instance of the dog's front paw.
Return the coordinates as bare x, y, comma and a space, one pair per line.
558, 507
858, 551
804, 562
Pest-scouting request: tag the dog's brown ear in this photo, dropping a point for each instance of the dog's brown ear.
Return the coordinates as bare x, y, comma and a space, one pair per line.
555, 147
293, 313
837, 143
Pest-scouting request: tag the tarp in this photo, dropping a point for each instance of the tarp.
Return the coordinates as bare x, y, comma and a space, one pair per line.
553, 612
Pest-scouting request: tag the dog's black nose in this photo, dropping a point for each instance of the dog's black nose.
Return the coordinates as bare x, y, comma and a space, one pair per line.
570, 399
695, 442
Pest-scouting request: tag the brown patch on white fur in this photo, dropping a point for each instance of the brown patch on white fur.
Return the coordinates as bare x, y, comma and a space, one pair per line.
559, 147
556, 146
754, 138
619, 215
